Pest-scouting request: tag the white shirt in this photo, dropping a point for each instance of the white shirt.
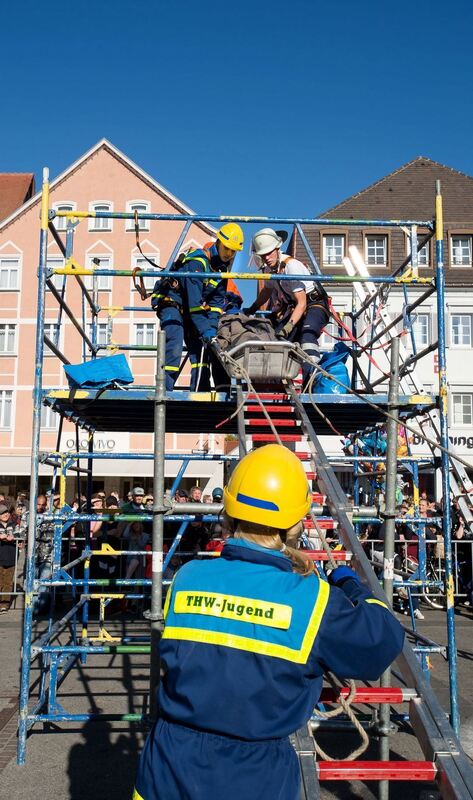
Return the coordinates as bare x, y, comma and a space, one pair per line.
294, 267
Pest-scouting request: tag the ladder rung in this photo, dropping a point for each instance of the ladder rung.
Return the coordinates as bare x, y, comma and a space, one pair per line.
376, 770
281, 409
321, 555
263, 396
284, 423
372, 694
270, 437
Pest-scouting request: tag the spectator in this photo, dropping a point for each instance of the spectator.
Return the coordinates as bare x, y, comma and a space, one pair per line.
135, 506
7, 557
207, 498
195, 494
44, 545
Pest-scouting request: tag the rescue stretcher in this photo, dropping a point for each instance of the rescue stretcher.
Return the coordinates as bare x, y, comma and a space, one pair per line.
264, 362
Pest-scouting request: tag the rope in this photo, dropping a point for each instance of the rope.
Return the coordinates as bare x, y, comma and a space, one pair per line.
381, 411
240, 372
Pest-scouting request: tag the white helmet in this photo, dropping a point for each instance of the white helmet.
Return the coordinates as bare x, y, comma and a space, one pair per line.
265, 241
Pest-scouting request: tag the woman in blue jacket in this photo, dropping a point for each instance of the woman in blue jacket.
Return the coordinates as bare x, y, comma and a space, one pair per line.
247, 639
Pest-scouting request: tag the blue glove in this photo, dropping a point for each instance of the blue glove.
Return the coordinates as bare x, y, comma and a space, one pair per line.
208, 336
339, 574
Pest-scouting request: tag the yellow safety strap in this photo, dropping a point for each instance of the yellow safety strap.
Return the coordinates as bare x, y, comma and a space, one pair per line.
201, 364
172, 369
216, 308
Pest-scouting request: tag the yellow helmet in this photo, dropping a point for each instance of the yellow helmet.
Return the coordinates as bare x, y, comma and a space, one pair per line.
231, 235
268, 487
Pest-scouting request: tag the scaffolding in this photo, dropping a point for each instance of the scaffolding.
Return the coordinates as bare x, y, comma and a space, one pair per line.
257, 415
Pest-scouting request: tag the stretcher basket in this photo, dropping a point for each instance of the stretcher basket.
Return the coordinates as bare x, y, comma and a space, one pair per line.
265, 362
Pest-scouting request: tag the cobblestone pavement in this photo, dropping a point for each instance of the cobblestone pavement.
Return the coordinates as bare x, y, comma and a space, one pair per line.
98, 760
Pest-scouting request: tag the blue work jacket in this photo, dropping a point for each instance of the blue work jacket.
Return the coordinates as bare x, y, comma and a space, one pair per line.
247, 640
203, 299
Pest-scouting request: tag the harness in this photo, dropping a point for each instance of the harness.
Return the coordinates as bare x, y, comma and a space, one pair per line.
318, 297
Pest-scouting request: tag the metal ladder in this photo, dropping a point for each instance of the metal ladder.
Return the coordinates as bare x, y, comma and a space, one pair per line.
446, 764
411, 383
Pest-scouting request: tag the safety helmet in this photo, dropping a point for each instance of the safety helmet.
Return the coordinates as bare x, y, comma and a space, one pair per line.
231, 235
268, 487
217, 494
265, 241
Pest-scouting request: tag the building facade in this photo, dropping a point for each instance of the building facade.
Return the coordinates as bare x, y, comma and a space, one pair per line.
103, 179
409, 194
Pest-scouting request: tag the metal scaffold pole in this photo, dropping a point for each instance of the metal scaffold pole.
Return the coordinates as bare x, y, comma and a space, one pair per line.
30, 552
444, 441
385, 727
156, 615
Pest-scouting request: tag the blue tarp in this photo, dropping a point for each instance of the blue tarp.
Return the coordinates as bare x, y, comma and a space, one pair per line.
334, 363
99, 373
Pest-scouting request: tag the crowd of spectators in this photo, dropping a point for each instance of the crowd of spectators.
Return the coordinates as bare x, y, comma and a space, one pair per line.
187, 538
133, 536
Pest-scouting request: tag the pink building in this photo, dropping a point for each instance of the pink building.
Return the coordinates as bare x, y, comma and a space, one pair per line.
102, 179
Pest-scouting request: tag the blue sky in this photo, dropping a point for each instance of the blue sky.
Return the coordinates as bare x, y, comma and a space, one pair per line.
256, 107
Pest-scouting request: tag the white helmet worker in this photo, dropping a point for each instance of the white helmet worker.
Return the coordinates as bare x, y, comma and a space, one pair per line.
265, 241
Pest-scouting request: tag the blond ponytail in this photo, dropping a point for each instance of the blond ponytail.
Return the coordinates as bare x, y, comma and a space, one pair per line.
271, 539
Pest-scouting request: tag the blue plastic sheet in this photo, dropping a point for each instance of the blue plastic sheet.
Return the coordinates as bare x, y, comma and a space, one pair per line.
99, 373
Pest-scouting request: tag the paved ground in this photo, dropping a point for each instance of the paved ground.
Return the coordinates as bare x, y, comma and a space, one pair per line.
95, 761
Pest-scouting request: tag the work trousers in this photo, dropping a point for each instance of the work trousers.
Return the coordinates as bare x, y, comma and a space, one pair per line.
307, 333
179, 328
180, 763
42, 603
6, 585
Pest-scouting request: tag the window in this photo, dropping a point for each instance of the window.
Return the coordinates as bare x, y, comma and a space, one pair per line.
462, 409
421, 330
56, 262
10, 272
49, 418
144, 334
6, 404
104, 282
7, 339
142, 207
334, 249
61, 222
461, 251
100, 223
51, 330
376, 250
141, 263
423, 255
327, 340
460, 330
101, 332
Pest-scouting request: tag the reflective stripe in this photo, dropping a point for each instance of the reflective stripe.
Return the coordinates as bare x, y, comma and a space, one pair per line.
216, 308
212, 282
201, 364
203, 261
297, 656
172, 369
378, 602
229, 606
137, 795
193, 309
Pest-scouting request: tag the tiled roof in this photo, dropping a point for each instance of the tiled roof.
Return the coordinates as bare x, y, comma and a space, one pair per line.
409, 193
15, 189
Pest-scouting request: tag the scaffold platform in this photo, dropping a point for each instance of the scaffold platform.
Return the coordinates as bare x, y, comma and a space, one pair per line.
199, 412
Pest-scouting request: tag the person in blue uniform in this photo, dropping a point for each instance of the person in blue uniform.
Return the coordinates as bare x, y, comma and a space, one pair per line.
189, 309
247, 639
